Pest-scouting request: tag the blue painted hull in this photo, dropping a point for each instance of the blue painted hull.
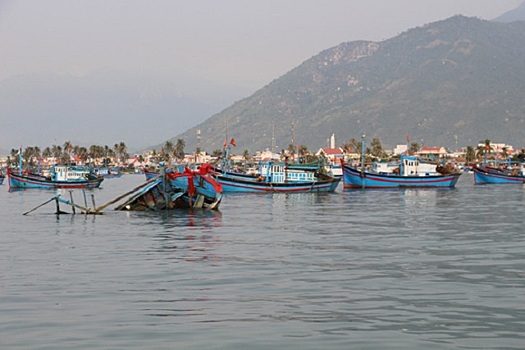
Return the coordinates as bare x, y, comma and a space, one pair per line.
250, 184
202, 185
193, 185
352, 179
38, 181
485, 176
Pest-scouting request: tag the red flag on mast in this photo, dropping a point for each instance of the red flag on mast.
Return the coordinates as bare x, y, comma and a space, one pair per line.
232, 142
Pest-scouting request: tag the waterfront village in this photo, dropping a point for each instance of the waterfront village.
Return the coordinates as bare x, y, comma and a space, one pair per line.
118, 157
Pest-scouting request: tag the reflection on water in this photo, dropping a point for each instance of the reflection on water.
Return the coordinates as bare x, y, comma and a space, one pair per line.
396, 269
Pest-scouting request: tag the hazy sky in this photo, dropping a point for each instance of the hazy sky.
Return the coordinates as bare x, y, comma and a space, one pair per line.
242, 42
239, 44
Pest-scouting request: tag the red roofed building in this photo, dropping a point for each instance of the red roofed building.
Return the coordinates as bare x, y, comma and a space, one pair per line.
432, 152
333, 154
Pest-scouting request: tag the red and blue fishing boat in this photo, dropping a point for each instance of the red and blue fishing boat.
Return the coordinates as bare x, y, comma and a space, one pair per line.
168, 190
60, 176
278, 177
488, 175
356, 178
408, 174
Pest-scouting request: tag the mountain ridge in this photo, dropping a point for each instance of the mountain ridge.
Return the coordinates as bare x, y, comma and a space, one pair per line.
453, 83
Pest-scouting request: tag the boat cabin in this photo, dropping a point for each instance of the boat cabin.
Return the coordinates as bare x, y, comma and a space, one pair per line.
410, 166
280, 173
69, 173
407, 166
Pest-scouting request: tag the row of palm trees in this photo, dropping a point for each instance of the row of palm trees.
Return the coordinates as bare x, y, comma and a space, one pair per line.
63, 154
485, 149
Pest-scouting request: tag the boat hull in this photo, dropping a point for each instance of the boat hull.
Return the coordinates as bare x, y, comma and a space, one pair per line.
353, 178
188, 190
482, 176
38, 181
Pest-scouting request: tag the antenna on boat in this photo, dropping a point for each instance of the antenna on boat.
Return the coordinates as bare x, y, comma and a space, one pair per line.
273, 136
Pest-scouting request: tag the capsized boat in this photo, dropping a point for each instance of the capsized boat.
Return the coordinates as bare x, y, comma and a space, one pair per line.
170, 190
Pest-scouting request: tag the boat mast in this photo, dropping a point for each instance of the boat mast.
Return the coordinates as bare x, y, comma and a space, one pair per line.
20, 160
363, 145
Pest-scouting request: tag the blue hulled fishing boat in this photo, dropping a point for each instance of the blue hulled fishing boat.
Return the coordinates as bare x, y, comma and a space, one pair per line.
488, 175
408, 174
277, 177
170, 190
60, 176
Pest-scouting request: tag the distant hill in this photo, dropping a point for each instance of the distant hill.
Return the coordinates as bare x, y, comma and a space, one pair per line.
517, 14
452, 83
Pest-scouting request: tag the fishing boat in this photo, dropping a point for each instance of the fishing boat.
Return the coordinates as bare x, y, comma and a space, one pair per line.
407, 174
60, 176
489, 175
171, 190
277, 177
108, 173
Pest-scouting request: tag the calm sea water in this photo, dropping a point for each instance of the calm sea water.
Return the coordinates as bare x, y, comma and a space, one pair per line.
401, 269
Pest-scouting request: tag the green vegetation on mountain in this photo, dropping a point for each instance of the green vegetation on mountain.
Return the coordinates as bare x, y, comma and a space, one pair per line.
450, 83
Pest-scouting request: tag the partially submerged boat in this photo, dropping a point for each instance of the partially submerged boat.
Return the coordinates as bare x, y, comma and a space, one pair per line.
169, 190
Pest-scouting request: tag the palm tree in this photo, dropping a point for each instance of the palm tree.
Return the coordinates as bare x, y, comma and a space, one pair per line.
480, 151
504, 153
217, 153
169, 149
47, 152
27, 156
470, 154
68, 147
414, 148
56, 151
377, 148
302, 151
487, 148
96, 152
246, 155
82, 153
353, 146
15, 157
291, 151
121, 151
179, 149
107, 153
